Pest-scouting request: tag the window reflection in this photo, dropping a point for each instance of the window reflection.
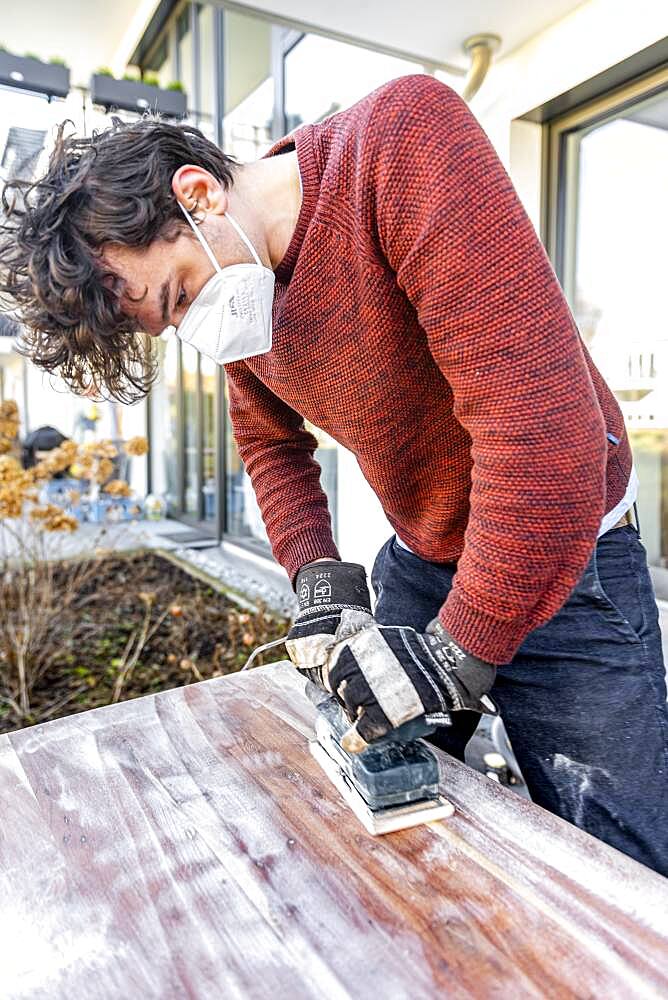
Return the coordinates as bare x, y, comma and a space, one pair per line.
315, 85
249, 87
190, 444
184, 50
168, 433
162, 61
208, 370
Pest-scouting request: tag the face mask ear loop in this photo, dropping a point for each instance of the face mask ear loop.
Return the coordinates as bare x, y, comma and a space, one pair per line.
245, 239
199, 236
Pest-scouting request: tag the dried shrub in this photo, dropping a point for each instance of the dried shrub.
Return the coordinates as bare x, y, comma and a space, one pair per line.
118, 488
33, 606
133, 625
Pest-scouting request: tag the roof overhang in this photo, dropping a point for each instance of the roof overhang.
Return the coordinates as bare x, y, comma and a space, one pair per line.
432, 32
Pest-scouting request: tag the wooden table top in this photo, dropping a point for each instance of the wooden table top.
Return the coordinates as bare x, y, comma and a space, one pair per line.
187, 845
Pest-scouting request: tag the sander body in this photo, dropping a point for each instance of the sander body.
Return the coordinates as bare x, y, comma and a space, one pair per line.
391, 785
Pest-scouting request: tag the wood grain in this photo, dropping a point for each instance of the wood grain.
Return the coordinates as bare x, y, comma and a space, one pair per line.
188, 845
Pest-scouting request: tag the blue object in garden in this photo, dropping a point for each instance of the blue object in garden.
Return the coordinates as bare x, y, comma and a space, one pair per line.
57, 490
98, 509
124, 509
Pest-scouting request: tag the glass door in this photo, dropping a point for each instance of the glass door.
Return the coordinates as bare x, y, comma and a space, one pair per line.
243, 517
609, 232
191, 452
248, 86
170, 475
186, 436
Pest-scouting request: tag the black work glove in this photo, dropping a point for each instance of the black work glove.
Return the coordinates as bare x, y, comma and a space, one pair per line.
334, 604
386, 675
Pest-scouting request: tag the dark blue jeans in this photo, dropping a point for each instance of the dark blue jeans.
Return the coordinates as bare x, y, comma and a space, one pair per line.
583, 701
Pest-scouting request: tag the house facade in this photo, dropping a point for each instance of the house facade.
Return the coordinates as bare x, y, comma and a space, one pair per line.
576, 104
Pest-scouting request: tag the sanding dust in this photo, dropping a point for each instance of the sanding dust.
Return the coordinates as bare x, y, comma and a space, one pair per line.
537, 836
35, 956
596, 947
576, 782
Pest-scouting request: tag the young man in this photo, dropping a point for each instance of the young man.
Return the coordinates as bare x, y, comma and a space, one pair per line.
417, 320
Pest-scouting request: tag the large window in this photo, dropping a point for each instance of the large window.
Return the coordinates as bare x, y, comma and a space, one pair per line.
258, 62
315, 85
191, 450
206, 69
184, 52
249, 86
611, 223
315, 88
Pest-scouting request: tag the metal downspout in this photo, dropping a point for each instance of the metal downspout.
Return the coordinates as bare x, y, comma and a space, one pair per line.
480, 49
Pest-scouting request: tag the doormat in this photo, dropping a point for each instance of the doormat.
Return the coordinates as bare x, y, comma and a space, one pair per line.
191, 539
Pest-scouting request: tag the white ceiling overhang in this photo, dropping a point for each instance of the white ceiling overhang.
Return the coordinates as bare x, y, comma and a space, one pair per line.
431, 31
92, 34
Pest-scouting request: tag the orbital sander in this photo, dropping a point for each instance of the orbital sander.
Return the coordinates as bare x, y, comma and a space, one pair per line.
393, 783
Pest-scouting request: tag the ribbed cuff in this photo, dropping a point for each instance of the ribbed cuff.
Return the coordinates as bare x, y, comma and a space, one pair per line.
309, 544
491, 639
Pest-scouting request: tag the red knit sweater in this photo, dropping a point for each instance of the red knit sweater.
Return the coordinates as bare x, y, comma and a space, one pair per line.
417, 320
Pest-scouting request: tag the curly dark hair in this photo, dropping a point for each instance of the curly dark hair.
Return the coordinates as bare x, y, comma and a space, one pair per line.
111, 187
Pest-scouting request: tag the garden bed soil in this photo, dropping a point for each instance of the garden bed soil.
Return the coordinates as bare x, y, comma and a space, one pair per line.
143, 625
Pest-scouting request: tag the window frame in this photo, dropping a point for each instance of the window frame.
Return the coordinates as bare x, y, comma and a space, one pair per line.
560, 214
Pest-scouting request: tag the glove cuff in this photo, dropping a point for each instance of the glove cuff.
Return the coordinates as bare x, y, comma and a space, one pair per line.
332, 584
472, 675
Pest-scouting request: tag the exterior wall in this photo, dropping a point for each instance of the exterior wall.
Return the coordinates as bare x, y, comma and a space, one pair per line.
594, 37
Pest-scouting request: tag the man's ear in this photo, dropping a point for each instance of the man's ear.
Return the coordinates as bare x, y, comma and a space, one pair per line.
198, 190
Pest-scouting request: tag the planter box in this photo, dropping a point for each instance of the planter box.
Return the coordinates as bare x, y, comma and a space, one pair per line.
130, 95
33, 74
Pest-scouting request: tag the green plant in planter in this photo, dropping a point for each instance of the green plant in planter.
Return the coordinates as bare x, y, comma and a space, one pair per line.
57, 61
151, 80
132, 77
175, 85
31, 55
103, 71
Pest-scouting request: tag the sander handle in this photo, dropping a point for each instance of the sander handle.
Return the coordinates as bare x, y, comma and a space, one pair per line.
407, 732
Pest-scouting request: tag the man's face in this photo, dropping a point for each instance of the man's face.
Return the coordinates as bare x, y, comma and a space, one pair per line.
171, 274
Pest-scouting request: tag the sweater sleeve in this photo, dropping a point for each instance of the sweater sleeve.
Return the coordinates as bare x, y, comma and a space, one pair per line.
453, 230
277, 451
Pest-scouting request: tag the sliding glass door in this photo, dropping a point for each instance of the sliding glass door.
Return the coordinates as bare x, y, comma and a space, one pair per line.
248, 82
187, 426
609, 166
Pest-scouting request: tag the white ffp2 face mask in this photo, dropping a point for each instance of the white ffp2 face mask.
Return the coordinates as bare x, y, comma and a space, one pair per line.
230, 319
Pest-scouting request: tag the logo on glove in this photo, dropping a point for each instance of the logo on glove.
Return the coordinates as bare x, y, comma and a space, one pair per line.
322, 591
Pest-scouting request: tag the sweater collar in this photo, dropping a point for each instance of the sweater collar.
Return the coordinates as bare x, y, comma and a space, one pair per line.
302, 141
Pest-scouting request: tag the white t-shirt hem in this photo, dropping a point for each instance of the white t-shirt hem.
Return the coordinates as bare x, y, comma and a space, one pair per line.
627, 501
610, 519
